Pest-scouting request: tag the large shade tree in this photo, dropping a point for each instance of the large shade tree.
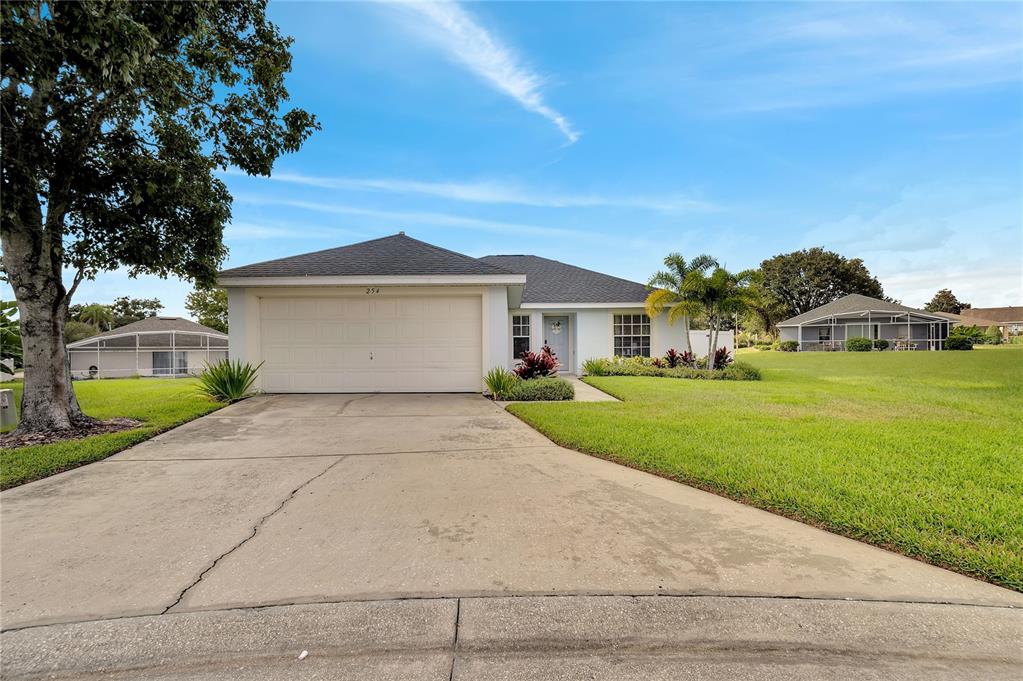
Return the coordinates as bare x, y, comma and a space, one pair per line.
115, 117
946, 301
670, 294
209, 307
804, 280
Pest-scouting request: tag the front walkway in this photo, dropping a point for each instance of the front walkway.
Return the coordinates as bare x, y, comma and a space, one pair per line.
304, 499
584, 392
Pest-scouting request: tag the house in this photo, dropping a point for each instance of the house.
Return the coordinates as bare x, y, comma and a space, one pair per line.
960, 320
155, 346
399, 315
829, 326
1009, 320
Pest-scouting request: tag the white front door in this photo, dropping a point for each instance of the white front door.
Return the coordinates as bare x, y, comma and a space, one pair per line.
371, 344
555, 334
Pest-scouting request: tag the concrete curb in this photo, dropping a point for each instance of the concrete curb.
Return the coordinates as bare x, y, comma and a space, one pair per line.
554, 637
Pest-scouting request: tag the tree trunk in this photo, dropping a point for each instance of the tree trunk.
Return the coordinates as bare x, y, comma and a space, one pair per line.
688, 346
33, 266
711, 341
48, 402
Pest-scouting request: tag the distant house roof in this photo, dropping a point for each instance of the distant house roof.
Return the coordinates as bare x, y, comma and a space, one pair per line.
966, 321
550, 281
1000, 315
156, 331
852, 304
388, 256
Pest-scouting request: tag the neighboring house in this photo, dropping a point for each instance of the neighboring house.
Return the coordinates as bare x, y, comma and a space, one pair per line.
400, 315
1009, 320
854, 316
155, 346
960, 320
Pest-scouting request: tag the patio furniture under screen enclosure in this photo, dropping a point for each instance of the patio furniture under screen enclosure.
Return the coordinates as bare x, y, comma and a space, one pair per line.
829, 327
157, 346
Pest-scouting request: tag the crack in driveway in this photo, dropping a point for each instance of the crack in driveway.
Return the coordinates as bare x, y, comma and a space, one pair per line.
255, 531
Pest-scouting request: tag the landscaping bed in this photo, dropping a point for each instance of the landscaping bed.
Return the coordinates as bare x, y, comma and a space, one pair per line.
146, 406
915, 452
642, 366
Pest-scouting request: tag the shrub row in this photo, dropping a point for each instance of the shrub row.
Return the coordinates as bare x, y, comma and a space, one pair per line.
505, 385
736, 371
542, 390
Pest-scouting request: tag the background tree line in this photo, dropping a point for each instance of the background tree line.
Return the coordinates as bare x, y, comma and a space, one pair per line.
782, 287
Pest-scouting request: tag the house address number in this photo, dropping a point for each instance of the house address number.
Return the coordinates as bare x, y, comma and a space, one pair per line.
370, 290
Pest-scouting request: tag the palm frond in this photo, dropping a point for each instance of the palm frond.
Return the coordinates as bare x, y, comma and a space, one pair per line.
665, 280
702, 263
659, 299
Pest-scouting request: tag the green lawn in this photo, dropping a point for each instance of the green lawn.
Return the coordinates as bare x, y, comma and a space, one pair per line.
918, 452
160, 403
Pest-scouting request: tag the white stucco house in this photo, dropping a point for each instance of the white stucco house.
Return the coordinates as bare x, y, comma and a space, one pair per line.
155, 346
399, 315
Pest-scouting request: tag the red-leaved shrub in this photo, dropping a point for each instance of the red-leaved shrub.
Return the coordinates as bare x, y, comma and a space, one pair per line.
537, 364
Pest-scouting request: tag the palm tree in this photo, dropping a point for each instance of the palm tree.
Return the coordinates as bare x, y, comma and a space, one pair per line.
764, 310
719, 295
97, 315
670, 292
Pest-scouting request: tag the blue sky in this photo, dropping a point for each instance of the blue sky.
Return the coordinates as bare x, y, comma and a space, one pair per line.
607, 135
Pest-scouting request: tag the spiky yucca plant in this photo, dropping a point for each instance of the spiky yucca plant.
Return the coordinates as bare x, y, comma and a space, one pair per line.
500, 382
227, 381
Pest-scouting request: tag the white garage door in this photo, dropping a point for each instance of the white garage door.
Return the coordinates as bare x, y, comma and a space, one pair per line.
371, 344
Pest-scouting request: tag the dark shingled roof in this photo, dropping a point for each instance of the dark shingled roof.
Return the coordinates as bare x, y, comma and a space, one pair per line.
388, 256
159, 336
550, 281
853, 302
159, 324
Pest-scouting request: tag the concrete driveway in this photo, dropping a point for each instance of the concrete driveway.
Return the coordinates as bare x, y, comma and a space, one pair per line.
466, 537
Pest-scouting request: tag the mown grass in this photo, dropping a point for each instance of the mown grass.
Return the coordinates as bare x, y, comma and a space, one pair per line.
917, 452
159, 403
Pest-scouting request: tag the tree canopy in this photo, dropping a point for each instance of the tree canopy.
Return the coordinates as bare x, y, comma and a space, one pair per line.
209, 307
946, 301
804, 280
115, 118
122, 311
127, 309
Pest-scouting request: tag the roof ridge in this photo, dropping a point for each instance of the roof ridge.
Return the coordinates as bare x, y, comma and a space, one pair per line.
566, 264
450, 252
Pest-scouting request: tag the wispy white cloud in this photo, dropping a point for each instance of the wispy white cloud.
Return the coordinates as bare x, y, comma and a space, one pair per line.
248, 231
827, 55
467, 42
412, 218
930, 237
492, 192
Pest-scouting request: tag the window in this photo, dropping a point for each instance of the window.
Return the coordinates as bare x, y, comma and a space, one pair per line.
824, 333
631, 335
520, 335
162, 363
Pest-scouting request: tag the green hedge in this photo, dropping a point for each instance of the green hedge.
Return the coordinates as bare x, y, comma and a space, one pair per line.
736, 371
959, 343
542, 390
788, 346
859, 345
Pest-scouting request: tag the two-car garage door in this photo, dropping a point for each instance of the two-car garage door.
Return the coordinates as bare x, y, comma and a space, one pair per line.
371, 343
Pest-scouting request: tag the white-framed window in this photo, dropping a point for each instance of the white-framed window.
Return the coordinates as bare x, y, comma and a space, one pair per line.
824, 333
520, 335
631, 335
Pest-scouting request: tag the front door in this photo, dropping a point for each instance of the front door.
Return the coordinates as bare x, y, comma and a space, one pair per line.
555, 334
